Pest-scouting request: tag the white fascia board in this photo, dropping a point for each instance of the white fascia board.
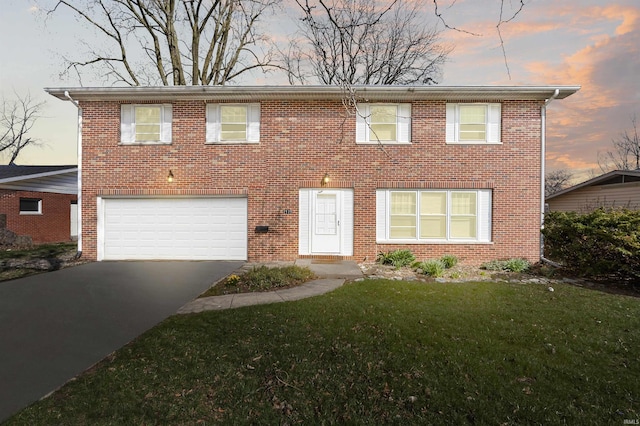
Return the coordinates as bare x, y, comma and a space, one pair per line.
257, 93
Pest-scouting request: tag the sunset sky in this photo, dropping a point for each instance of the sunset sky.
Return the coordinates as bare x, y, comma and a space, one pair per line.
591, 43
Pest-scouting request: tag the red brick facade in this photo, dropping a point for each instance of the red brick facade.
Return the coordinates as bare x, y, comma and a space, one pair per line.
302, 140
51, 226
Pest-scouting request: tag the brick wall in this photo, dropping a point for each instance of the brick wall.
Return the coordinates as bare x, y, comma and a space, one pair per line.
53, 225
303, 140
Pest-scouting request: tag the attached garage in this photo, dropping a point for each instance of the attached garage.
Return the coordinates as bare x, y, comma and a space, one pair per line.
172, 229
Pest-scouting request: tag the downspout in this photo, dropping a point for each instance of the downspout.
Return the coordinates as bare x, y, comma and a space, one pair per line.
77, 104
543, 138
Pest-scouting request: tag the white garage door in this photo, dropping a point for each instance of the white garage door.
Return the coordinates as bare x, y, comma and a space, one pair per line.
174, 228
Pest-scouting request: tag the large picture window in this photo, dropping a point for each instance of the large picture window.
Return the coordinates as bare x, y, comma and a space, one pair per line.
433, 215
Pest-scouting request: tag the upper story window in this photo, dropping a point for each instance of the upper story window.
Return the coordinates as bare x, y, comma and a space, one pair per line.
474, 123
383, 123
145, 124
30, 206
434, 216
233, 123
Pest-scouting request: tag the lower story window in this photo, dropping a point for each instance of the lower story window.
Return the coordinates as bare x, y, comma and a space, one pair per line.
30, 206
433, 215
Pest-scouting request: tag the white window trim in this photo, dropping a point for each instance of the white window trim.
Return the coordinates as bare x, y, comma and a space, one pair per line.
128, 129
364, 135
493, 129
214, 126
39, 212
483, 218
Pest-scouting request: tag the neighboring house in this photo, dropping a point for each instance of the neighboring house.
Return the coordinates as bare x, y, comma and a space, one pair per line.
40, 201
619, 188
277, 173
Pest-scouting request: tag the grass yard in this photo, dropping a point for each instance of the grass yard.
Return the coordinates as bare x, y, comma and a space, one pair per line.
375, 352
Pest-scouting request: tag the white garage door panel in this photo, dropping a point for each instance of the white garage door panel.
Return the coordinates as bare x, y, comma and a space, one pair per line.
177, 228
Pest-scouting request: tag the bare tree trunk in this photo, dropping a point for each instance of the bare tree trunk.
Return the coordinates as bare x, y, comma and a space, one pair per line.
175, 42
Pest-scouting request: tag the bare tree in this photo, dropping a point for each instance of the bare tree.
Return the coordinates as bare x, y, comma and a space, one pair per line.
349, 42
625, 154
504, 17
17, 118
171, 42
556, 181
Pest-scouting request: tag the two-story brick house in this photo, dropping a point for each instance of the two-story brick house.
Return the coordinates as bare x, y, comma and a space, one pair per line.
278, 173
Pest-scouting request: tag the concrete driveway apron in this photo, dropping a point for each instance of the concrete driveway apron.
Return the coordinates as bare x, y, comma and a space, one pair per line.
54, 326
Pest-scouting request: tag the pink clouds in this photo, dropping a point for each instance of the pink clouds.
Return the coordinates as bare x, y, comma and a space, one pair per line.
592, 43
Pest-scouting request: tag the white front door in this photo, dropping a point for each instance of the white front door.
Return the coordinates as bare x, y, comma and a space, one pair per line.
325, 235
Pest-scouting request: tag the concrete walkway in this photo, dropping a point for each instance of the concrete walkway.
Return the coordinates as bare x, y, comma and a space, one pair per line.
331, 275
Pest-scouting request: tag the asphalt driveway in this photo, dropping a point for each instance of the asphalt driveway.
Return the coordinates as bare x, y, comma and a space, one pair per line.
55, 325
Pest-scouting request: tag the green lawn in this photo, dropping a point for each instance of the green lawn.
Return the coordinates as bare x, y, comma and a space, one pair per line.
376, 352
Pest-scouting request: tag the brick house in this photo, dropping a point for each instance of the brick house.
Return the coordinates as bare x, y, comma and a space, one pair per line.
278, 173
40, 201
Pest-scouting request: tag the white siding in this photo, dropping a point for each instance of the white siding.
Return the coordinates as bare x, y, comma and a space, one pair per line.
63, 183
586, 199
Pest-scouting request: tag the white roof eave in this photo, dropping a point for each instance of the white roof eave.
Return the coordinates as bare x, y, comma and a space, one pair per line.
252, 93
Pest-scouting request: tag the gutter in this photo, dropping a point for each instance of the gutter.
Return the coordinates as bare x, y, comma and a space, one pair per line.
77, 104
543, 139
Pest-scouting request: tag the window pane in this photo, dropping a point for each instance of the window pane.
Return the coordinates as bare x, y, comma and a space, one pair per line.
383, 122
399, 233
31, 205
433, 227
403, 203
234, 114
147, 123
463, 203
403, 215
463, 227
233, 123
384, 114
473, 122
473, 114
383, 132
433, 203
403, 221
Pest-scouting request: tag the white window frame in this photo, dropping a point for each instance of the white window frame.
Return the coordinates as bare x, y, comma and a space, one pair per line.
31, 212
128, 124
493, 124
364, 133
483, 217
214, 125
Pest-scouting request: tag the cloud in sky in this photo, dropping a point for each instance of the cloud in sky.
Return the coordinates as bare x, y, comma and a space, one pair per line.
589, 43
608, 70
592, 43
